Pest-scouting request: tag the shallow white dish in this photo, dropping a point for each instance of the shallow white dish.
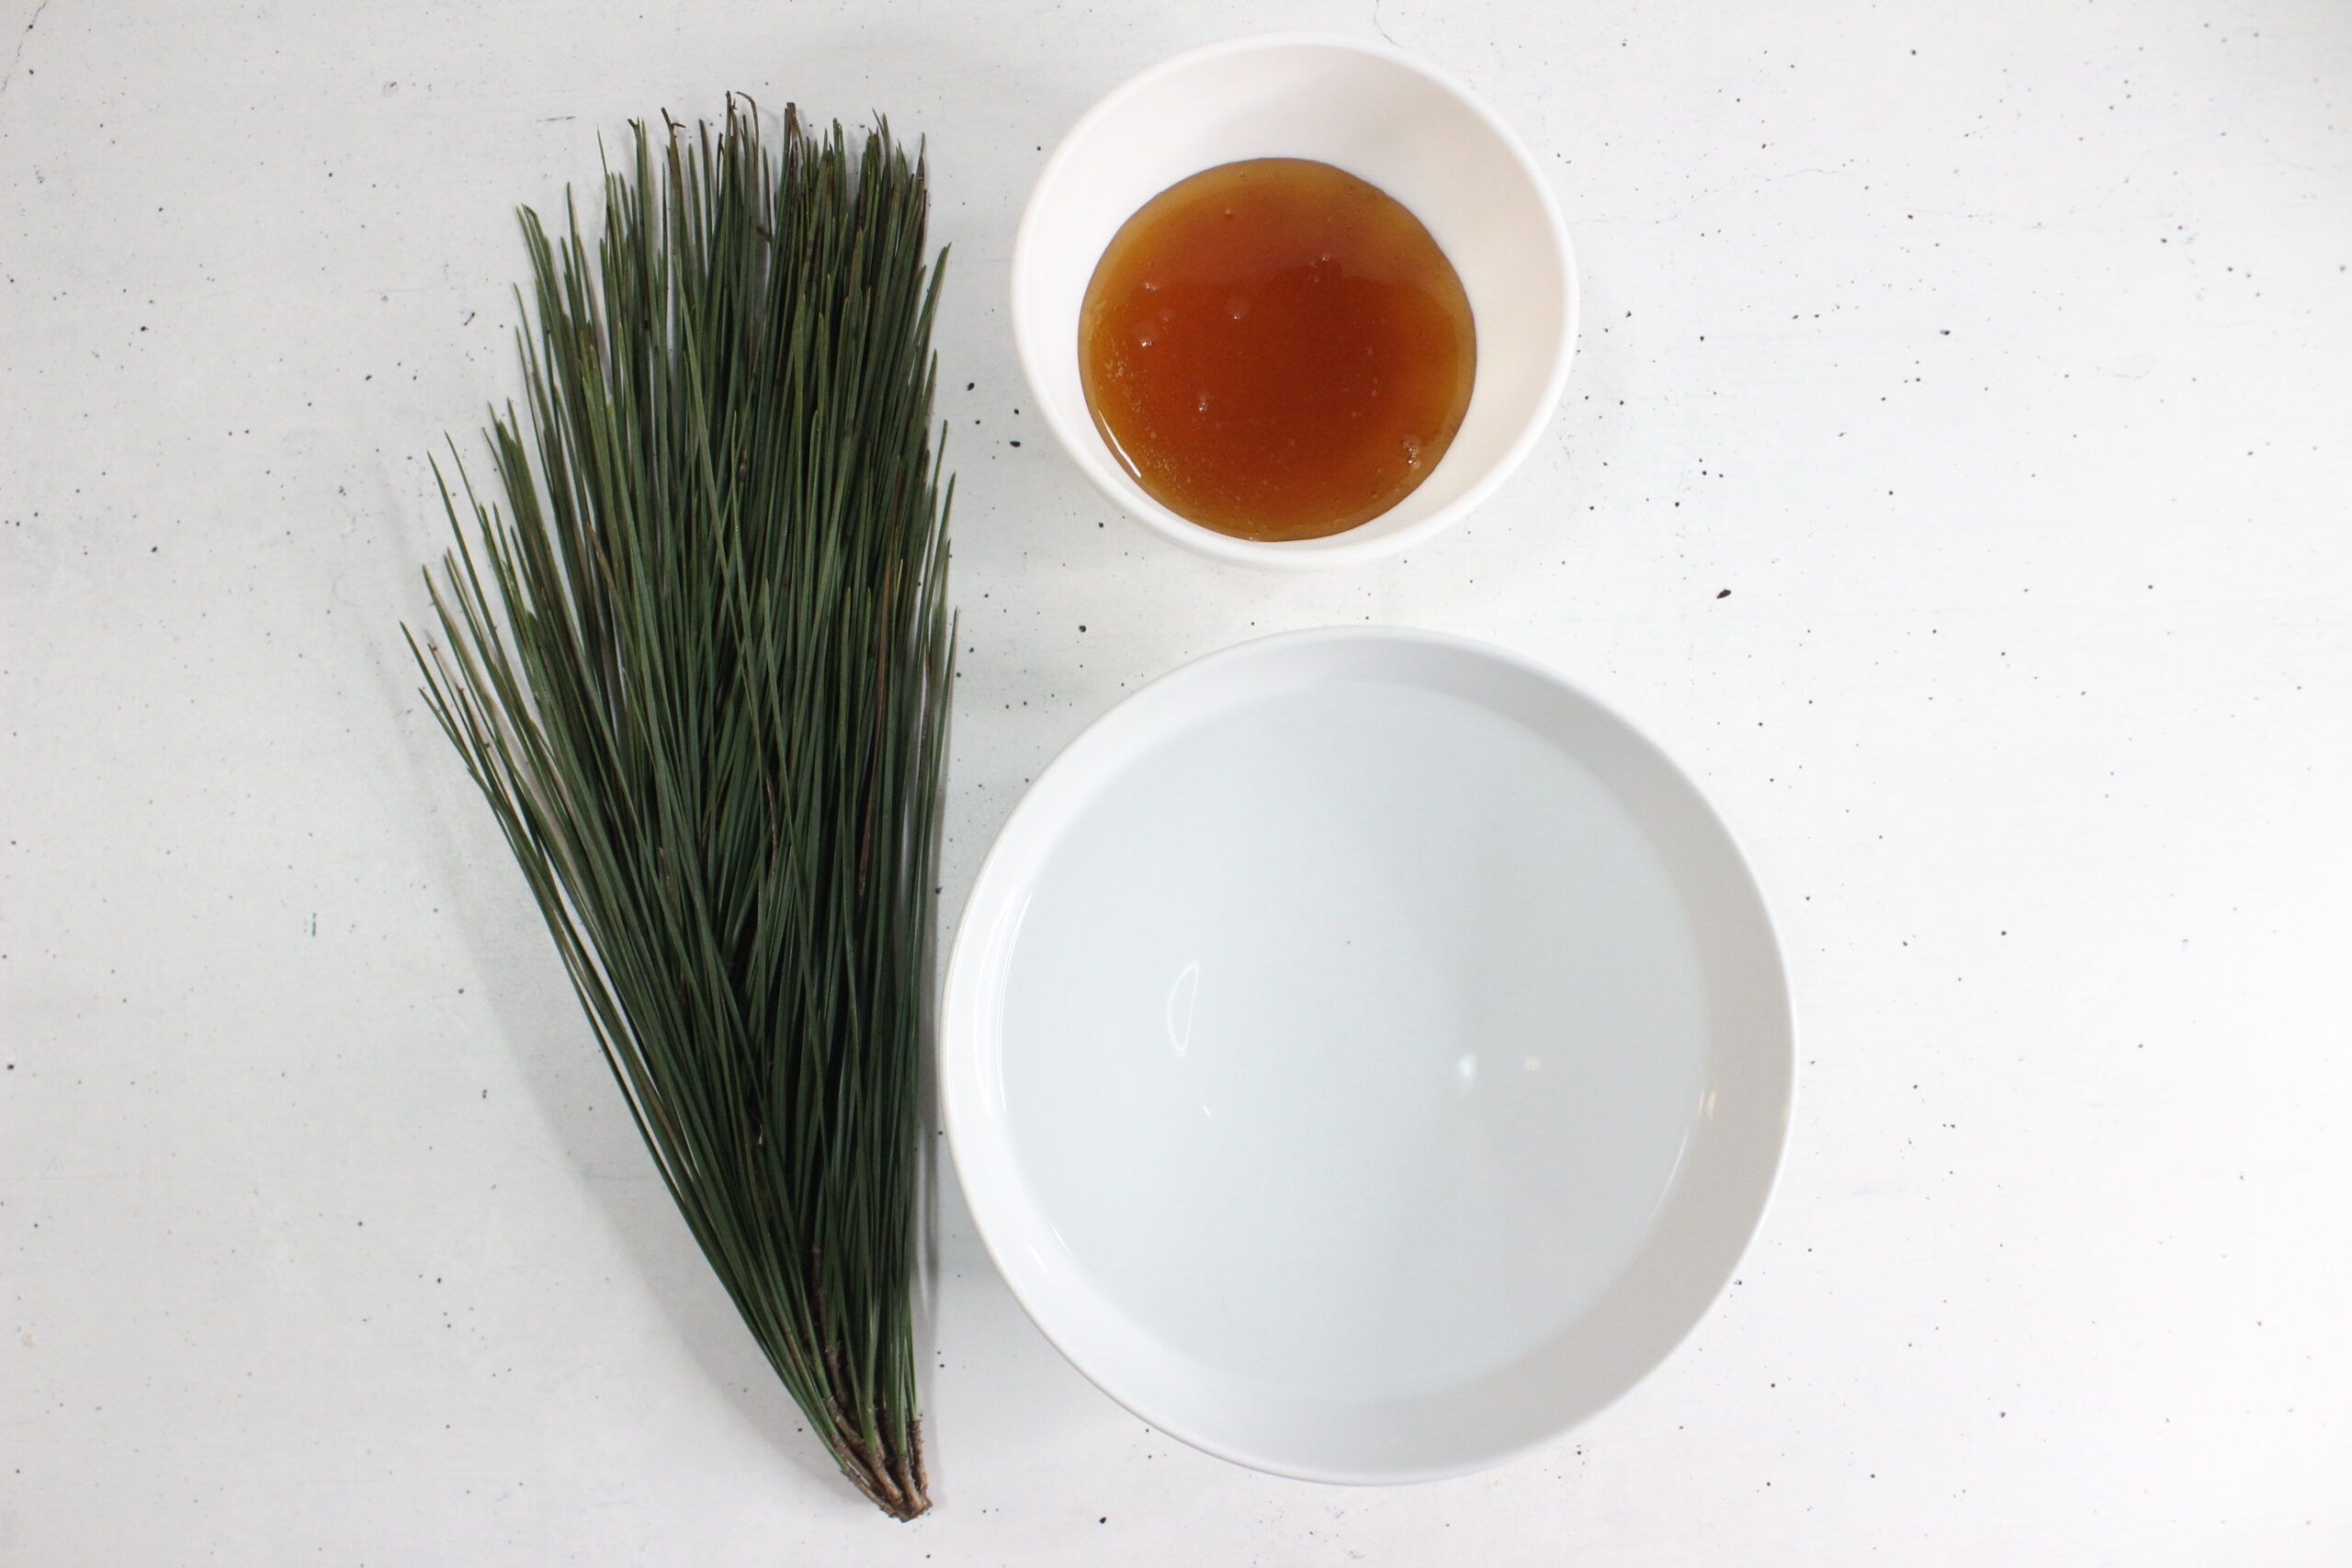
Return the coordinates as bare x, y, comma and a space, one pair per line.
1382, 115
1364, 1055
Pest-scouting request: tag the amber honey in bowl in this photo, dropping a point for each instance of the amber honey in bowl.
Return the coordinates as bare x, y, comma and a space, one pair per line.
1276, 349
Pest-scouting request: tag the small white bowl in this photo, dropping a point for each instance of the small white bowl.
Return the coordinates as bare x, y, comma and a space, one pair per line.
1364, 1055
1379, 114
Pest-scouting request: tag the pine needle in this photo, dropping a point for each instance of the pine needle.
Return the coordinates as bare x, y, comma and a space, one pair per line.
698, 664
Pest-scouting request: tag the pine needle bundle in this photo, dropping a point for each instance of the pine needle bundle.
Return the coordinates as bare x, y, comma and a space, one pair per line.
698, 664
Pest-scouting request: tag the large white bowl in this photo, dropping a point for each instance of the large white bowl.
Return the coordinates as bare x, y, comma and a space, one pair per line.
1365, 1056
1381, 114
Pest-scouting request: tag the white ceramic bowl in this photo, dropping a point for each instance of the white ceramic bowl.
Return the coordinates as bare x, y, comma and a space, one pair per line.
1381, 114
1364, 1055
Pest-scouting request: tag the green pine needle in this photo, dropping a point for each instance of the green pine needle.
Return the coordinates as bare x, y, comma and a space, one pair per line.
699, 667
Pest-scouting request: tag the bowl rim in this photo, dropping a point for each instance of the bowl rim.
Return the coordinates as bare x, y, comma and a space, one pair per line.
1335, 549
970, 964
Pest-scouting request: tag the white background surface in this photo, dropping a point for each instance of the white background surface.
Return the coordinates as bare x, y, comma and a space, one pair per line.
1998, 359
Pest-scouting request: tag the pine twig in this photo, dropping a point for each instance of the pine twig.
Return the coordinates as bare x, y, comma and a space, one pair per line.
699, 666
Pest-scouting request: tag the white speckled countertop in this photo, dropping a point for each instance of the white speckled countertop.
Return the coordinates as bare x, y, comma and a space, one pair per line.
1954, 476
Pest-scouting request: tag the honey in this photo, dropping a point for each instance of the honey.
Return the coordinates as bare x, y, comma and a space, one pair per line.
1276, 349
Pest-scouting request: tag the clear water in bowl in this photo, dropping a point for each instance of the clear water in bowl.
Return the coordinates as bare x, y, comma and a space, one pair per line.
1352, 1039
